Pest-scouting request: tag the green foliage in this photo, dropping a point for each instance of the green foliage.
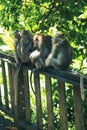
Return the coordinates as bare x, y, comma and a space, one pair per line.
1, 41
50, 16
45, 17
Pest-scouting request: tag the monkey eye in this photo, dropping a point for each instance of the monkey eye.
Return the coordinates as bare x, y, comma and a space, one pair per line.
36, 39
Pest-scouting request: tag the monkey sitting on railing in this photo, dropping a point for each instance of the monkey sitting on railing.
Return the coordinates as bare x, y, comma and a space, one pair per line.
61, 54
56, 52
43, 46
23, 46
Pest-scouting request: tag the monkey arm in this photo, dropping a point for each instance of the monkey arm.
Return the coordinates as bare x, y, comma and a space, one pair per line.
38, 64
17, 52
54, 62
48, 60
34, 56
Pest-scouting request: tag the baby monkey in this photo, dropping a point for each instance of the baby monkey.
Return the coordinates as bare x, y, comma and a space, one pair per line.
43, 46
23, 46
61, 54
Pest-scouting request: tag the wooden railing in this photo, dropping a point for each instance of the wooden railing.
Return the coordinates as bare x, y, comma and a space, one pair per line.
17, 98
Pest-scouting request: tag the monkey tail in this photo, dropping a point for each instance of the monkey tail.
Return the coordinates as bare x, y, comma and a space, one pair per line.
31, 74
18, 68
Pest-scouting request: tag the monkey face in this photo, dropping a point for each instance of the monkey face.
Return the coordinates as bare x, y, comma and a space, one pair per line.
17, 34
37, 39
25, 41
58, 38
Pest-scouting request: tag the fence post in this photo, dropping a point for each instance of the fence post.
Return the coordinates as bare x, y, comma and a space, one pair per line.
62, 104
19, 97
11, 86
38, 101
27, 95
78, 108
5, 84
49, 103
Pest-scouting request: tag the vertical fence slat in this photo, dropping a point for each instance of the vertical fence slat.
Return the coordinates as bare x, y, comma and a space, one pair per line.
62, 104
27, 95
78, 108
0, 97
49, 103
38, 101
5, 84
11, 86
14, 92
19, 95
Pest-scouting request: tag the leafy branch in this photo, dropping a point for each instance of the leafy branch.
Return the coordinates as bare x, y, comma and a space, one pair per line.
53, 4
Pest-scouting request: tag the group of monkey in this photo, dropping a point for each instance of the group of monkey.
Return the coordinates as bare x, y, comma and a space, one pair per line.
42, 50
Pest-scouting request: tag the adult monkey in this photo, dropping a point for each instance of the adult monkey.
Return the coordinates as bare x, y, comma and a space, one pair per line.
23, 46
61, 54
23, 49
43, 46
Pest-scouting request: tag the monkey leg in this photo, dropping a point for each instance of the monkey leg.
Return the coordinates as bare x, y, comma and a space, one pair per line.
51, 61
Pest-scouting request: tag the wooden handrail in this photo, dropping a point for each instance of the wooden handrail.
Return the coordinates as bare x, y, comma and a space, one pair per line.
20, 94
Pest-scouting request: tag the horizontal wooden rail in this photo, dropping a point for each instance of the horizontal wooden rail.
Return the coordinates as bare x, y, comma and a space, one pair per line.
16, 84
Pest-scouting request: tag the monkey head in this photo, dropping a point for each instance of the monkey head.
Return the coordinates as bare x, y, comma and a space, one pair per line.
17, 35
26, 41
58, 38
26, 36
37, 40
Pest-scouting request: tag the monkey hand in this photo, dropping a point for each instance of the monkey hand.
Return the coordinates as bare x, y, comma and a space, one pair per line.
34, 55
48, 60
38, 64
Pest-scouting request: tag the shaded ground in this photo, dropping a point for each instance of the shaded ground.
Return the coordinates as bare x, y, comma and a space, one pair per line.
4, 122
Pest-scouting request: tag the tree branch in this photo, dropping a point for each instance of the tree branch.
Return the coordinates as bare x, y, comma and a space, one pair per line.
49, 12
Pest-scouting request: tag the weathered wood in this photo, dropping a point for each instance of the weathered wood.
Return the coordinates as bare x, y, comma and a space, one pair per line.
27, 95
62, 105
5, 84
68, 75
19, 94
6, 111
38, 101
78, 108
14, 92
11, 86
49, 103
0, 97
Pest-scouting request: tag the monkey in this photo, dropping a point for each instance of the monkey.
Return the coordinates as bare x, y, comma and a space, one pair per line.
23, 46
43, 46
17, 45
61, 54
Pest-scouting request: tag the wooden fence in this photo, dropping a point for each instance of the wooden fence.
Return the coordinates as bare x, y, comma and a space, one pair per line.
18, 100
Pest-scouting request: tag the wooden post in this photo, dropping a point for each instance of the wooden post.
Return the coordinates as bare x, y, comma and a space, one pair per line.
62, 104
5, 84
19, 94
11, 86
0, 97
27, 95
78, 108
49, 103
38, 101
